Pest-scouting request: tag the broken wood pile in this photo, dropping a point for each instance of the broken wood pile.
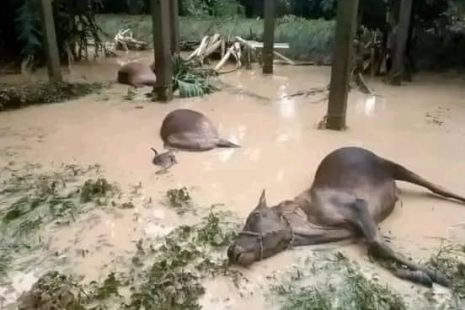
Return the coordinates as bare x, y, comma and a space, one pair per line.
240, 50
124, 41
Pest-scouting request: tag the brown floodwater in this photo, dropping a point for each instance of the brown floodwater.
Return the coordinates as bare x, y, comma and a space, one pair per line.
420, 125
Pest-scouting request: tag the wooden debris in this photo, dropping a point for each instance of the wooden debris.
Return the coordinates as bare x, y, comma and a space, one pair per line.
313, 91
289, 61
125, 41
235, 47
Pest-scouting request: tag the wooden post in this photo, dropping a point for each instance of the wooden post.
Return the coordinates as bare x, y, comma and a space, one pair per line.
174, 11
50, 41
397, 70
341, 64
163, 89
268, 36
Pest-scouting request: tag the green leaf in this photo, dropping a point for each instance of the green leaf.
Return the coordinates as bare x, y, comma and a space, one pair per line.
189, 89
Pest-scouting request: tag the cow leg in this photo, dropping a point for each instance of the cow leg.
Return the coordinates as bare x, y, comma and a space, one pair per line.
379, 249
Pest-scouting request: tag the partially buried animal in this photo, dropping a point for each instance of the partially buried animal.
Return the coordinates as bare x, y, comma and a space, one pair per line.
164, 160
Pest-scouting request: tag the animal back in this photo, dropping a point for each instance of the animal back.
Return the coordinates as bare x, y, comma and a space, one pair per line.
185, 121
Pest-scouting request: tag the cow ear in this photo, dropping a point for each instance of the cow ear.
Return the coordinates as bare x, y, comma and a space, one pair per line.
262, 200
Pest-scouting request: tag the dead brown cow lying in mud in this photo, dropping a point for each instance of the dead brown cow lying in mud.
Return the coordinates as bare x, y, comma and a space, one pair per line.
353, 190
190, 130
136, 75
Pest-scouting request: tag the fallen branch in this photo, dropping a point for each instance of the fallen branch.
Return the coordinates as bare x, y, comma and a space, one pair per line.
196, 52
213, 47
362, 85
289, 61
245, 43
127, 42
224, 59
311, 92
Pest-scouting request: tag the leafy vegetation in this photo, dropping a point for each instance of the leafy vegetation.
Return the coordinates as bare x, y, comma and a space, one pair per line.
166, 273
190, 80
179, 261
29, 31
14, 97
52, 291
450, 260
203, 8
352, 291
75, 27
32, 201
179, 199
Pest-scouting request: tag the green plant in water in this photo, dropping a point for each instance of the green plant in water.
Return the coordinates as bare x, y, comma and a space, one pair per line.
450, 260
179, 199
108, 288
352, 291
166, 273
15, 97
94, 190
211, 232
191, 81
32, 200
52, 291
179, 263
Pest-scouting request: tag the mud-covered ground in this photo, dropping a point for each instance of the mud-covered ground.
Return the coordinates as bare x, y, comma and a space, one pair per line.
420, 125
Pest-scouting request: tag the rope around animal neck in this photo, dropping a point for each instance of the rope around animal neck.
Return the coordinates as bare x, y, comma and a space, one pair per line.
261, 236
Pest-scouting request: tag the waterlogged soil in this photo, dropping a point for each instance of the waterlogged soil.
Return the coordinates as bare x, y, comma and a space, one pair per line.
420, 125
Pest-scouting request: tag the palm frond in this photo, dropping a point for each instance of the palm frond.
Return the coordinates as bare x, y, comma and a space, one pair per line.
191, 81
189, 89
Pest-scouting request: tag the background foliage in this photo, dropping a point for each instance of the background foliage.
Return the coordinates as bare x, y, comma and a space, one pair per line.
306, 24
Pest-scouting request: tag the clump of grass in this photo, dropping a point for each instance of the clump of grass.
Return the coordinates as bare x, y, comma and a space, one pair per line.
191, 81
52, 291
166, 273
179, 263
179, 199
450, 260
95, 190
108, 288
351, 291
18, 96
211, 232
33, 200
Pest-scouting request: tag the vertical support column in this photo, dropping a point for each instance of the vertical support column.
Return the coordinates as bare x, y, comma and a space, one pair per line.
50, 41
402, 35
174, 11
341, 64
268, 36
163, 89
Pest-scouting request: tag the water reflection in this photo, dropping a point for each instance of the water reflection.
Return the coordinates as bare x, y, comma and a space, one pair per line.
370, 104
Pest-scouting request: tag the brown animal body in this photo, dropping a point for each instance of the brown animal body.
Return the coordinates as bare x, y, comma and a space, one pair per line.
191, 131
137, 75
353, 190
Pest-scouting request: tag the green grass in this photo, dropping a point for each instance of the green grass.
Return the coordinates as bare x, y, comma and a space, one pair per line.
308, 39
34, 200
18, 96
339, 285
450, 260
166, 273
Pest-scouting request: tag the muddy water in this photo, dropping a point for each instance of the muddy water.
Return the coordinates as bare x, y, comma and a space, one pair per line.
419, 125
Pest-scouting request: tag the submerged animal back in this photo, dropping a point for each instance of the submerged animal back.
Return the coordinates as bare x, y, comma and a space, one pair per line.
136, 74
187, 121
